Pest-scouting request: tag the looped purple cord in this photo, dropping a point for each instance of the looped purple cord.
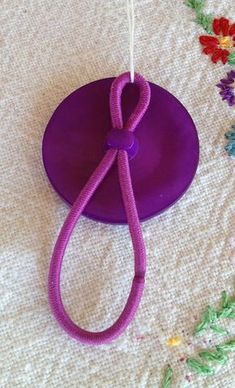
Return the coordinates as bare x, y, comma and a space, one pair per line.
96, 178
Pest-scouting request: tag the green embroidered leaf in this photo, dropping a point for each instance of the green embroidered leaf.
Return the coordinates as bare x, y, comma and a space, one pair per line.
205, 21
167, 380
202, 19
225, 313
231, 59
231, 303
208, 318
214, 356
219, 330
200, 328
197, 5
224, 299
199, 367
227, 347
211, 314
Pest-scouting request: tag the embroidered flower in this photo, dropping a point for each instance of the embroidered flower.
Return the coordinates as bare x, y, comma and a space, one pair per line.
174, 341
227, 86
230, 147
220, 47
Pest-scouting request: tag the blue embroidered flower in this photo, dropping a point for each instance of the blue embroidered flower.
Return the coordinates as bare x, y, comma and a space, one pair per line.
230, 147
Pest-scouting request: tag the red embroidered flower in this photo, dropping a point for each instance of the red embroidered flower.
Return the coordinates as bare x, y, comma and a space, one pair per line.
221, 46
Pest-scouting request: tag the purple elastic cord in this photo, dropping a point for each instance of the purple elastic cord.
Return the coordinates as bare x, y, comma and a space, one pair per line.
121, 153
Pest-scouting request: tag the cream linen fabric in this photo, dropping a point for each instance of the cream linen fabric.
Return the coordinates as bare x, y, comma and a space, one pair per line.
48, 49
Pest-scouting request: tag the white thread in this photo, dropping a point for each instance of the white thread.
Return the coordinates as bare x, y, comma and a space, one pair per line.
131, 27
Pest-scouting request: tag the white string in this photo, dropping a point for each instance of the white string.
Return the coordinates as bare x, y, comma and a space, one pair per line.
131, 27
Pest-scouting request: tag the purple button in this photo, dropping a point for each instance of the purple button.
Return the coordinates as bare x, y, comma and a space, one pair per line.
161, 171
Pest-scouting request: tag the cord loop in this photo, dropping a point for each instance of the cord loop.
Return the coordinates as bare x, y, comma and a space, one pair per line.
121, 154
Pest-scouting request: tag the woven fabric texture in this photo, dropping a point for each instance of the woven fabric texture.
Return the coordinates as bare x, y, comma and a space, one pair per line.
48, 49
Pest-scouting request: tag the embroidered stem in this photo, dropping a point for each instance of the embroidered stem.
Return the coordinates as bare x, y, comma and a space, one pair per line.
196, 5
210, 316
218, 356
225, 302
227, 347
199, 367
168, 377
214, 356
204, 20
219, 330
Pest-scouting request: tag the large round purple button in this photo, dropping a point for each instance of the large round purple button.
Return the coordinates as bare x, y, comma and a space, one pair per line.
164, 167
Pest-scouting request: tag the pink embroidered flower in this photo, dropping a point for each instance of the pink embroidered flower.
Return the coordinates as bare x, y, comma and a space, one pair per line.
220, 47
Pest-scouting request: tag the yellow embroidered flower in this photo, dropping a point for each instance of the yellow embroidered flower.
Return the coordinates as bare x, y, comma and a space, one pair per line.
174, 341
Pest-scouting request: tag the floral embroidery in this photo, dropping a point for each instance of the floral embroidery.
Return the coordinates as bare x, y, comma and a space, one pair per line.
221, 46
227, 86
230, 147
